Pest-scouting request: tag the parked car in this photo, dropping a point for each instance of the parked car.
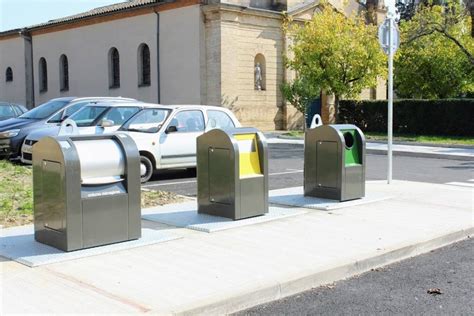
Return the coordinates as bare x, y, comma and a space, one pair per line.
13, 131
166, 135
96, 118
11, 110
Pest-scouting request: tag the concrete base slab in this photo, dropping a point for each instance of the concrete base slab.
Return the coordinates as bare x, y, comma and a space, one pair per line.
186, 215
19, 244
294, 197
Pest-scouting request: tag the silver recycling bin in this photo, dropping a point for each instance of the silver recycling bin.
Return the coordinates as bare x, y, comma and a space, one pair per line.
86, 190
334, 162
232, 173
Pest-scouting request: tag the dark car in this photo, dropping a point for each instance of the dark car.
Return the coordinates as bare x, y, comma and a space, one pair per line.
11, 110
13, 131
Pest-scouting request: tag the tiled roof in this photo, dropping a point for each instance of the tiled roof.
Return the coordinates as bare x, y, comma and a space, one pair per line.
94, 12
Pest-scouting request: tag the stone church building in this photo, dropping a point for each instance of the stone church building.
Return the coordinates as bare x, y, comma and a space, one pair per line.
168, 52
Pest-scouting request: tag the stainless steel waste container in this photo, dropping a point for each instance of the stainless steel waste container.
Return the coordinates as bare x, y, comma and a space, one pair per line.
334, 162
86, 190
232, 173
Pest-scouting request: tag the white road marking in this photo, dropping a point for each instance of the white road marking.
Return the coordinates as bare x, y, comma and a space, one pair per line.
168, 183
471, 180
462, 184
285, 172
193, 181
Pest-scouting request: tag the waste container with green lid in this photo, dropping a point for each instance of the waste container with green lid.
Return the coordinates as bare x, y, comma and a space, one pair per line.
334, 162
232, 173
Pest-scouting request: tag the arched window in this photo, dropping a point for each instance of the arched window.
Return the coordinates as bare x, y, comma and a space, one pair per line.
63, 73
9, 75
114, 68
43, 75
259, 72
143, 65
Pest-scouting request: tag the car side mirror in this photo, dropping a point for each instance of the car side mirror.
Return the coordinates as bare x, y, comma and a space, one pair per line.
107, 123
171, 129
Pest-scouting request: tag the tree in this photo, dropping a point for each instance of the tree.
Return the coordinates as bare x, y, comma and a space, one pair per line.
435, 59
337, 54
451, 20
432, 68
300, 93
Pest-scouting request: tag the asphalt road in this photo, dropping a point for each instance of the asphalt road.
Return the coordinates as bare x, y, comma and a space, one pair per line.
286, 170
399, 289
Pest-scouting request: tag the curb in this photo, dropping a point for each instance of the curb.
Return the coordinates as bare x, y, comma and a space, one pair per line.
372, 151
422, 144
419, 155
306, 280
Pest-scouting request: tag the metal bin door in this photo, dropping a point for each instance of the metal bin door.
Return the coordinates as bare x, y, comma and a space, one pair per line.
327, 165
219, 176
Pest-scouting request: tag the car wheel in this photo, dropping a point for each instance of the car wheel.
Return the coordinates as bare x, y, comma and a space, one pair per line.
146, 169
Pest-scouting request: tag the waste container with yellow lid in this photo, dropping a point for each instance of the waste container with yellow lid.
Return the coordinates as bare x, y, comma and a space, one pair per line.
232, 173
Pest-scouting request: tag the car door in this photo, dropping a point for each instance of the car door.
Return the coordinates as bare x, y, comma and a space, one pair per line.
178, 142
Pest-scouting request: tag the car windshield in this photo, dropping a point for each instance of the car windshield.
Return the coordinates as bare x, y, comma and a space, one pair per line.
147, 121
88, 115
45, 110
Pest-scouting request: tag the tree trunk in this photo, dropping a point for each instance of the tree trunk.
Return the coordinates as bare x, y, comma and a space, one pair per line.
336, 109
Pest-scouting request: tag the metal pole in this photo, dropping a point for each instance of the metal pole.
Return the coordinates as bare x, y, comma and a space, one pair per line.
390, 101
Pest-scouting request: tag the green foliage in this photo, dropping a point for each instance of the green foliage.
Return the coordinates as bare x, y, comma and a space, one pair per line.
337, 54
435, 58
300, 93
419, 117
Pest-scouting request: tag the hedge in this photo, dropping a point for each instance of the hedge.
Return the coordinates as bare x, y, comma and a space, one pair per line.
448, 117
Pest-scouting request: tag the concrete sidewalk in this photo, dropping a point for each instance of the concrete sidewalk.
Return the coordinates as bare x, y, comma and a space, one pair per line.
223, 272
425, 151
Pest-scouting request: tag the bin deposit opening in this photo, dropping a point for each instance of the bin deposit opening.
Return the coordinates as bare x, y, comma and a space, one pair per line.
249, 161
349, 139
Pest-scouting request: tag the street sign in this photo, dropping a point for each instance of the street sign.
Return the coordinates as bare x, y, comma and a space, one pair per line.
384, 36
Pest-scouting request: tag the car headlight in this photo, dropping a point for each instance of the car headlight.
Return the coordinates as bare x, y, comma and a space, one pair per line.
10, 133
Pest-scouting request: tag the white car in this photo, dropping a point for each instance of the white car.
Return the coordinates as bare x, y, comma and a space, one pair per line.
99, 118
166, 135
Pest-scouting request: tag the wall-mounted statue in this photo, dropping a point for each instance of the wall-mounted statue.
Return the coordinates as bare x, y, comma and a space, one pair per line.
258, 77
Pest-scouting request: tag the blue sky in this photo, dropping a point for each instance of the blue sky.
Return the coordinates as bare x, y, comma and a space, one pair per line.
20, 13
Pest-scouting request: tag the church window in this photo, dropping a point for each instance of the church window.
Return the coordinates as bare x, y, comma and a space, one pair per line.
43, 75
114, 68
144, 65
9, 75
63, 73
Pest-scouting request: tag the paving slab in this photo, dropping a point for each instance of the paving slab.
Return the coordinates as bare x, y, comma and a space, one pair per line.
185, 215
19, 244
215, 274
294, 197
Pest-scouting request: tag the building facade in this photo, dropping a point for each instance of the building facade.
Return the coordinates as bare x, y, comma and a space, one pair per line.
172, 52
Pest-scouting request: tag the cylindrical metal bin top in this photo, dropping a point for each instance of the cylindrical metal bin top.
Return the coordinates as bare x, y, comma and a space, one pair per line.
102, 161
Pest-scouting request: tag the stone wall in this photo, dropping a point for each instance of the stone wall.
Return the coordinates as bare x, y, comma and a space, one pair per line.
243, 36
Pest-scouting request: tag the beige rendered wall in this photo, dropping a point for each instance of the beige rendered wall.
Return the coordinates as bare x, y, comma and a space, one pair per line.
181, 42
87, 50
12, 54
243, 36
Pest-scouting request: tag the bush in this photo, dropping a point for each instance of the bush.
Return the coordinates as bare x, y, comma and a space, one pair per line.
447, 117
